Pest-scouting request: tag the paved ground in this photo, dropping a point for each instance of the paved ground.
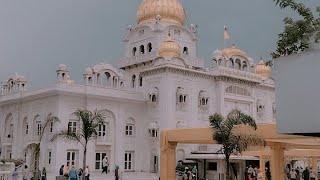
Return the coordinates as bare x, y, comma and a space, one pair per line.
125, 176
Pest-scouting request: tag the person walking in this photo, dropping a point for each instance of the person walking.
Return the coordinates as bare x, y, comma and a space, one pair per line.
105, 164
15, 174
44, 174
298, 177
61, 170
116, 173
80, 173
312, 175
259, 175
293, 174
73, 173
66, 173
87, 173
305, 174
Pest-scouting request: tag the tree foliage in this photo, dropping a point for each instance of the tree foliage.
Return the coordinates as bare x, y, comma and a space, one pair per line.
89, 123
297, 32
234, 142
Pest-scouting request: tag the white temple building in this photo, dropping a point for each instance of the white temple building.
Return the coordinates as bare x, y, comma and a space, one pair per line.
160, 83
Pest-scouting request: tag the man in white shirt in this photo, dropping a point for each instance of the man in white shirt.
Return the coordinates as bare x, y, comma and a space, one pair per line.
293, 175
105, 164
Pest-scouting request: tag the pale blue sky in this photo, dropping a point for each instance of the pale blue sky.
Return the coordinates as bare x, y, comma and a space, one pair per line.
37, 35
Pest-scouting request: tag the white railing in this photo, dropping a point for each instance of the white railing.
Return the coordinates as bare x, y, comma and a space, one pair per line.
33, 139
230, 72
104, 139
140, 58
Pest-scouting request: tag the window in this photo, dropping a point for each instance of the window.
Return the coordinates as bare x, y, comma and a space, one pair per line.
153, 133
244, 66
101, 130
140, 81
51, 126
39, 128
27, 128
72, 127
149, 47
177, 32
99, 158
237, 90
238, 64
142, 49
49, 156
212, 166
128, 161
231, 63
154, 98
129, 130
141, 32
185, 51
71, 157
134, 51
133, 80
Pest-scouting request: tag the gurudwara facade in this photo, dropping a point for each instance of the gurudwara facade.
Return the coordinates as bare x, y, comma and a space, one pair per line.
160, 83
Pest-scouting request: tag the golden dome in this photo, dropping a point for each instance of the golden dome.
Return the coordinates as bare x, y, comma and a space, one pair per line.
169, 48
170, 11
233, 51
263, 70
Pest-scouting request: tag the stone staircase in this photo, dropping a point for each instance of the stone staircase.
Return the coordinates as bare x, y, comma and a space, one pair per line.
125, 176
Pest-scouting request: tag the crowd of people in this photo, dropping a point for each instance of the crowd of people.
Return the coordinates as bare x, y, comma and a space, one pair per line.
300, 174
255, 173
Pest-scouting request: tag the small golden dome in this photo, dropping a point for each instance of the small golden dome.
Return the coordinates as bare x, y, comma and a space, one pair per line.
263, 70
233, 51
169, 48
169, 10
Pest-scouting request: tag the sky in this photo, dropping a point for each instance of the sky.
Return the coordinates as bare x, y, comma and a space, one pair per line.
36, 35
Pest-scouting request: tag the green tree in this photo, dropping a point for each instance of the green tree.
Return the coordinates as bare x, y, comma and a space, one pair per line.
297, 33
89, 123
232, 141
34, 148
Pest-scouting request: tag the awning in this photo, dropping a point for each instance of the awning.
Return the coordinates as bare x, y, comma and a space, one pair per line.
219, 156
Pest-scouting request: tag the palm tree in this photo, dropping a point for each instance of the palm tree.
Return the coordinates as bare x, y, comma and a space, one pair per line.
34, 147
90, 122
232, 141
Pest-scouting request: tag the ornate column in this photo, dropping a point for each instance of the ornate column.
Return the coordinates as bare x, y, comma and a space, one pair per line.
277, 161
167, 159
262, 165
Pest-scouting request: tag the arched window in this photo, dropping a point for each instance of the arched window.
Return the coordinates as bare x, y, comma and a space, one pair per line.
133, 81
90, 80
72, 124
231, 63
244, 66
140, 81
149, 47
142, 49
220, 62
214, 63
154, 98
185, 51
180, 98
38, 125
115, 82
134, 51
98, 79
130, 127
238, 64
108, 80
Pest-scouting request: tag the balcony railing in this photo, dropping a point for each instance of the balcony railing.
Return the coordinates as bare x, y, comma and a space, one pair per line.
33, 139
127, 61
101, 140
